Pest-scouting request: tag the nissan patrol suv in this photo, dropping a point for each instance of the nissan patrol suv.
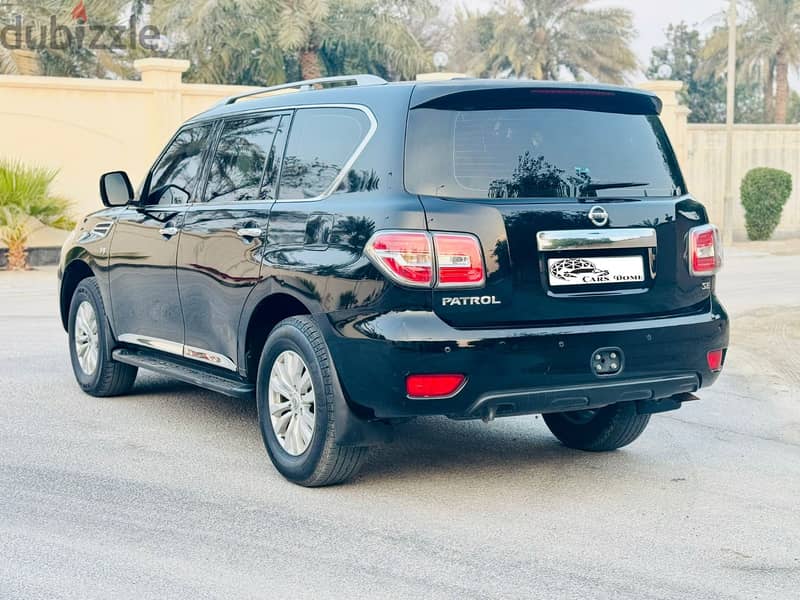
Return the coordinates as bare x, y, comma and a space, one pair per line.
354, 253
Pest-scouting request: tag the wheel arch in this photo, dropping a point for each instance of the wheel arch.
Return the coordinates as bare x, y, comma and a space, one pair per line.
258, 322
75, 272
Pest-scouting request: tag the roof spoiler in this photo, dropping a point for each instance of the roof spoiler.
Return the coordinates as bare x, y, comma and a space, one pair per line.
489, 95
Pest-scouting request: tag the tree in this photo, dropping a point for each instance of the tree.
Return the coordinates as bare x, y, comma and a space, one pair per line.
703, 92
768, 46
251, 42
25, 200
261, 41
793, 114
28, 48
538, 39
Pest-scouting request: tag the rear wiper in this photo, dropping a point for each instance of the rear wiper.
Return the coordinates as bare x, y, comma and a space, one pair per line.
588, 191
593, 187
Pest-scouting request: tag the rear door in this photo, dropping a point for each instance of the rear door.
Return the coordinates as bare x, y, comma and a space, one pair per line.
222, 239
575, 195
324, 142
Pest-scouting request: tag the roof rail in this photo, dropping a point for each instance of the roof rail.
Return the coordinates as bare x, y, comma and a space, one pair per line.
308, 84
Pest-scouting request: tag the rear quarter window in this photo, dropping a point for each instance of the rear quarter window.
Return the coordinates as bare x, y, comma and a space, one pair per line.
321, 142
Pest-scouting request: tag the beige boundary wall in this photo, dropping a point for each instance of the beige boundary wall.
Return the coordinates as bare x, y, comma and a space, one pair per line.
86, 127
776, 146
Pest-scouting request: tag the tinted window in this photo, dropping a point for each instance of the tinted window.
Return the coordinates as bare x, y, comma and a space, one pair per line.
538, 153
245, 149
175, 176
320, 143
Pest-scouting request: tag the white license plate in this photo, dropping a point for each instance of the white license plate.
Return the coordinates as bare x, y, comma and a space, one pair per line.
595, 271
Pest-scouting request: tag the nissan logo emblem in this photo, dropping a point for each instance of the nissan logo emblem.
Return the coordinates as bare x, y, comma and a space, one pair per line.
599, 216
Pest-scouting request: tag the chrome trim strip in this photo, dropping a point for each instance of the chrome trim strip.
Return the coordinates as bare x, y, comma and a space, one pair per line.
178, 349
151, 342
96, 233
596, 239
206, 356
595, 385
296, 107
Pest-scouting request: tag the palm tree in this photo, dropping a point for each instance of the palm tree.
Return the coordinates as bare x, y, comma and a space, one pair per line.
29, 53
538, 39
768, 46
258, 41
26, 203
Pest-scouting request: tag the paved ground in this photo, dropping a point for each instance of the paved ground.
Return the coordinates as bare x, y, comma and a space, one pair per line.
168, 493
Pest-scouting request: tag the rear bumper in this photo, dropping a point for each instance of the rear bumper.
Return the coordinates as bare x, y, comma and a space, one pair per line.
519, 371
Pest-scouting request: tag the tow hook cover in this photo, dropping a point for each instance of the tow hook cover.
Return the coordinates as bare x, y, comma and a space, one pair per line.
607, 361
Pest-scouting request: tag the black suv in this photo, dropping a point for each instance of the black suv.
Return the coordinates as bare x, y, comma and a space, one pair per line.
355, 253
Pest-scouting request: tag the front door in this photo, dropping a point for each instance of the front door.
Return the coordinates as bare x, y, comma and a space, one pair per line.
144, 290
222, 237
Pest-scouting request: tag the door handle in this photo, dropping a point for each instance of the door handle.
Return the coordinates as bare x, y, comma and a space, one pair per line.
250, 232
168, 231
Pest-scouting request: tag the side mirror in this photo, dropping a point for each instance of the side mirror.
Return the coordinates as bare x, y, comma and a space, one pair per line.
116, 189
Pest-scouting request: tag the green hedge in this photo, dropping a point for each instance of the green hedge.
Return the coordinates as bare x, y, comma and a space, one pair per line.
764, 192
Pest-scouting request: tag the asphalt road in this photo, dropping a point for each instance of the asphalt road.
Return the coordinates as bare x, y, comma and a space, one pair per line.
168, 493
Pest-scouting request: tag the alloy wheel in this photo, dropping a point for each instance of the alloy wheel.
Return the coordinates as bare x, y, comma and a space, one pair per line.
292, 402
87, 340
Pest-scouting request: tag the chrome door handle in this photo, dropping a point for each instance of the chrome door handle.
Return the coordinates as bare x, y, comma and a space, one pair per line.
249, 232
168, 231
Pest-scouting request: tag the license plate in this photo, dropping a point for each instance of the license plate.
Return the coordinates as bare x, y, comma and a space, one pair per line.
595, 270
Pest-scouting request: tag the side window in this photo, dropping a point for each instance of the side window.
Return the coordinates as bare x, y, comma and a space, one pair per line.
320, 143
175, 176
244, 152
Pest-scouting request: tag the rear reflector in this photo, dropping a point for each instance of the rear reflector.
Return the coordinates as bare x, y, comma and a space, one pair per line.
405, 256
714, 358
705, 251
433, 386
459, 259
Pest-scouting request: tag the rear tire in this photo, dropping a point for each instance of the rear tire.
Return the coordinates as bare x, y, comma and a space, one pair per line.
296, 407
598, 430
89, 341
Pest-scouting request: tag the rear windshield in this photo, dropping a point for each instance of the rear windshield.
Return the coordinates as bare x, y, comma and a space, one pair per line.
538, 153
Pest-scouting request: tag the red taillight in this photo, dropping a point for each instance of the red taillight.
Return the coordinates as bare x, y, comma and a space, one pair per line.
433, 386
705, 251
714, 358
407, 257
459, 260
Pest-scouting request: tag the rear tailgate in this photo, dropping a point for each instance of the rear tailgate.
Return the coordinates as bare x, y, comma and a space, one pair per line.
574, 193
524, 244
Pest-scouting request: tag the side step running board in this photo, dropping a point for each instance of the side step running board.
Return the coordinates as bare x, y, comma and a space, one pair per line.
231, 386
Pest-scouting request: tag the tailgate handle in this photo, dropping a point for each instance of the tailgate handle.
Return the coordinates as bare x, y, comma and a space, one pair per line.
596, 239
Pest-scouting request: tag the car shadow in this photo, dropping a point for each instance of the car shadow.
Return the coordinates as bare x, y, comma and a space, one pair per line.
428, 448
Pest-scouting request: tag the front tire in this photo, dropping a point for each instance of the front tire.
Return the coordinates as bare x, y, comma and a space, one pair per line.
296, 407
598, 430
89, 340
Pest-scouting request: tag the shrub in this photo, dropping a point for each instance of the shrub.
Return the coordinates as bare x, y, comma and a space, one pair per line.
25, 198
764, 192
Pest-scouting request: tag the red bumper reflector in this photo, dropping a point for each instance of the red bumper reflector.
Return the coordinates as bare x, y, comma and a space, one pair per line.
433, 386
715, 359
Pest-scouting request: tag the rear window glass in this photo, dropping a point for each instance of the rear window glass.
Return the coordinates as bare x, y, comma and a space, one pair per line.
538, 153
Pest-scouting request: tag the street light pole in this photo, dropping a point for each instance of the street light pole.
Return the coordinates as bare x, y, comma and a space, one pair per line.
727, 217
